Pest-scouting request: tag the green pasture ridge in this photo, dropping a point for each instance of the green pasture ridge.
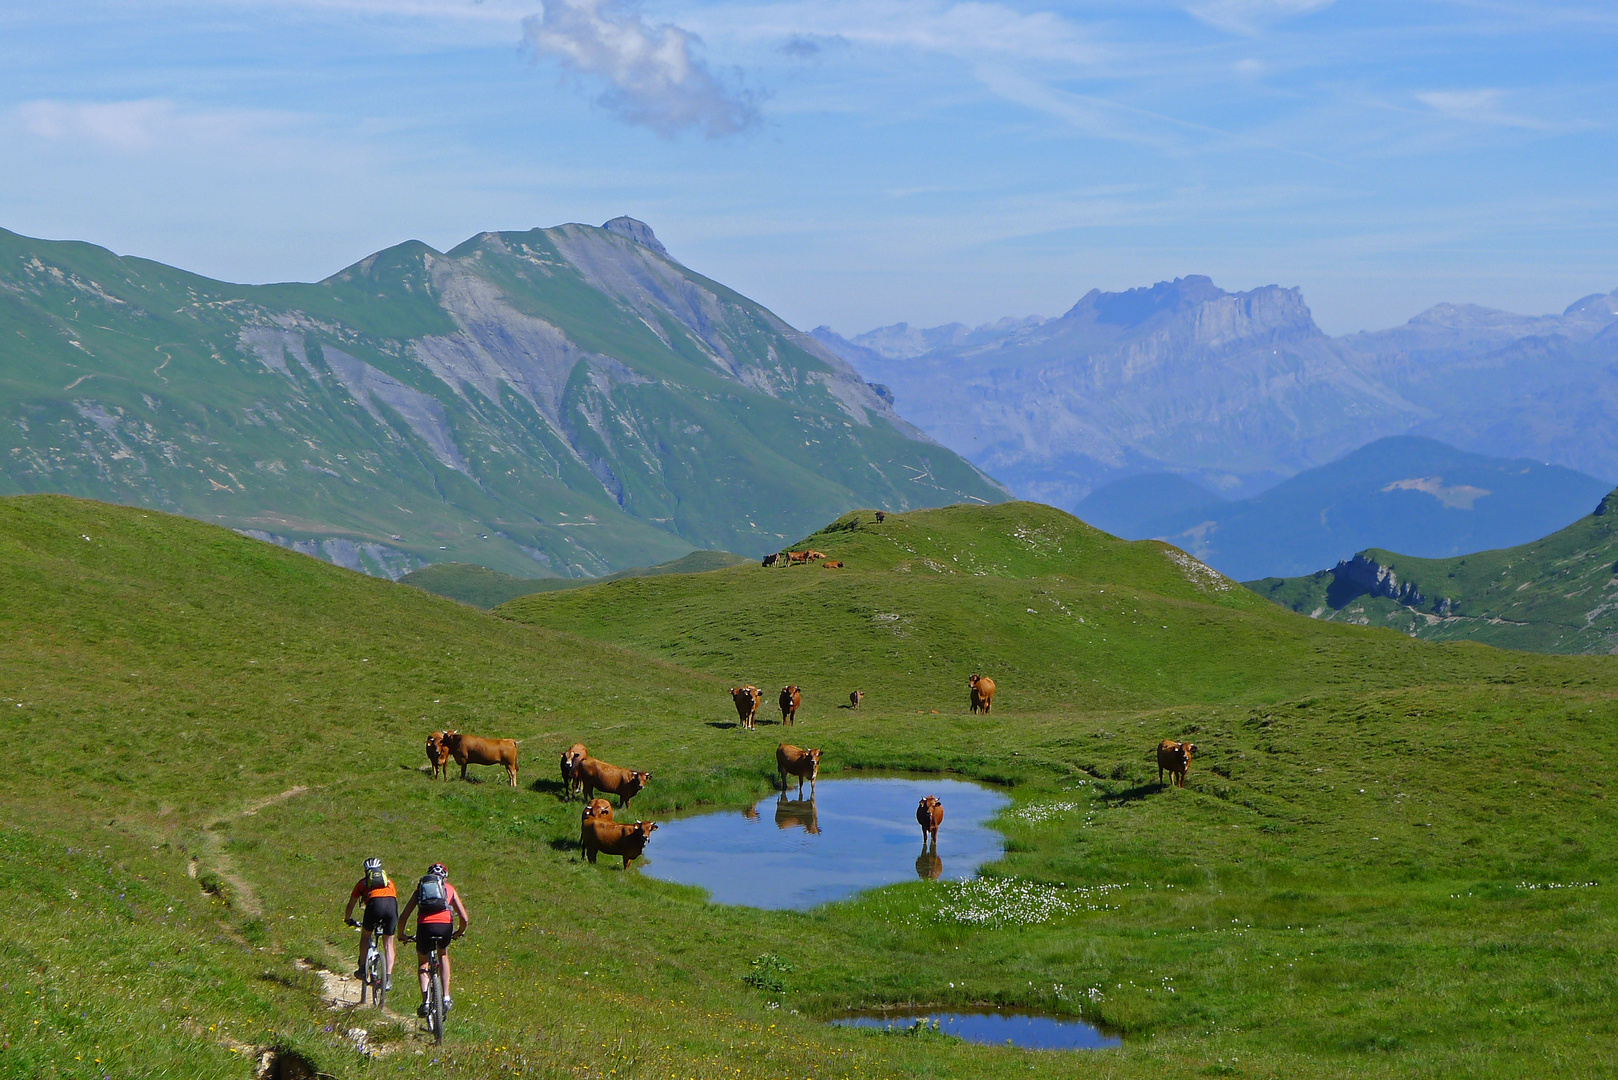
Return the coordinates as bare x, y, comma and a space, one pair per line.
485, 588
1389, 859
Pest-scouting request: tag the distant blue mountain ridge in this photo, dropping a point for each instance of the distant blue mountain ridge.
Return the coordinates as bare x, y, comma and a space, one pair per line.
1408, 494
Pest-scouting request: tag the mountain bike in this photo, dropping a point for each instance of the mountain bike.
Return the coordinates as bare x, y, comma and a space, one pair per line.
435, 989
374, 971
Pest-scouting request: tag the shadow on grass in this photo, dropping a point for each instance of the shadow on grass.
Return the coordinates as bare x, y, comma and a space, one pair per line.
723, 725
549, 787
1133, 794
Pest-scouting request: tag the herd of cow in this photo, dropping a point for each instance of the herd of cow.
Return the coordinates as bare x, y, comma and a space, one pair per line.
584, 775
789, 558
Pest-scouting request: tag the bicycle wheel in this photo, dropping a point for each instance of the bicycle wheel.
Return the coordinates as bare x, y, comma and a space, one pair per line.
435, 1004
379, 979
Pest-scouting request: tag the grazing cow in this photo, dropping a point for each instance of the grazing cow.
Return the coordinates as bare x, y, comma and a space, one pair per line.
929, 815
570, 765
982, 696
797, 557
796, 813
472, 750
438, 755
747, 699
804, 764
610, 779
928, 865
810, 556
1175, 757
771, 560
880, 517
601, 835
832, 564
790, 700
855, 698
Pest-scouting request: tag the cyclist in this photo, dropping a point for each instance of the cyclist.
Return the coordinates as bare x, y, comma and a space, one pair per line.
381, 915
437, 900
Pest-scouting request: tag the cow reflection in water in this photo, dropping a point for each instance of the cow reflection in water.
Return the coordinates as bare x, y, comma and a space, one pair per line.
797, 813
928, 865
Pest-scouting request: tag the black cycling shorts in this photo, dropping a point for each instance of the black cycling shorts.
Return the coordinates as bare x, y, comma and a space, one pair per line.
429, 935
382, 915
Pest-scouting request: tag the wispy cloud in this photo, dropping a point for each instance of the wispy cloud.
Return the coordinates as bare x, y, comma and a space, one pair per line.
141, 125
1480, 107
653, 77
1251, 16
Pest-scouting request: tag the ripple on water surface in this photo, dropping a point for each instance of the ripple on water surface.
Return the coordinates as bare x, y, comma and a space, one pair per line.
1028, 1031
855, 834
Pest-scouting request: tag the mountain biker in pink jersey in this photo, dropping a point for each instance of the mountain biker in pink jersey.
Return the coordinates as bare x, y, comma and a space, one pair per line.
438, 908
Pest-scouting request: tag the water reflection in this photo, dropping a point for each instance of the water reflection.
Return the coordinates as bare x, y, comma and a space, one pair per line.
1032, 1032
796, 814
853, 835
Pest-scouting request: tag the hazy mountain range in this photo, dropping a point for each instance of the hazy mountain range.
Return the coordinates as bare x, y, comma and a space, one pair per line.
1405, 493
1239, 390
566, 401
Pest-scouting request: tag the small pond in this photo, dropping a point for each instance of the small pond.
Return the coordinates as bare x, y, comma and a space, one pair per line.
855, 834
1031, 1032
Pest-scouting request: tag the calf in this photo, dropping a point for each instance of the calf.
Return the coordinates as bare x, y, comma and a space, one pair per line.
1175, 758
804, 764
438, 755
982, 695
790, 700
598, 775
855, 698
599, 834
929, 815
472, 750
570, 765
747, 699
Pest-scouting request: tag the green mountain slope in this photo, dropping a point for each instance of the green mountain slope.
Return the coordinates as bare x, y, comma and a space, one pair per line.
564, 402
1558, 594
485, 588
208, 734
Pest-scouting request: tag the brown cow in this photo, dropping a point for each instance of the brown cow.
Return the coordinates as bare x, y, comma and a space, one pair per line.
855, 698
1175, 757
570, 764
929, 815
596, 808
797, 557
832, 564
804, 764
598, 775
982, 696
438, 755
810, 556
472, 750
797, 813
599, 834
747, 699
790, 700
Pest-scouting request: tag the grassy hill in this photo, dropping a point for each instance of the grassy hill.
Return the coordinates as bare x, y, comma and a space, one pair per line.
209, 733
561, 402
485, 588
1553, 595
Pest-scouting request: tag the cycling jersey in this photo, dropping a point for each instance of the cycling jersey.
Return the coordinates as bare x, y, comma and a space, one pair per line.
369, 894
439, 918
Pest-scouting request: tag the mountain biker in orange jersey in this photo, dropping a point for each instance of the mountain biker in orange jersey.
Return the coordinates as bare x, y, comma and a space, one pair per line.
433, 928
381, 915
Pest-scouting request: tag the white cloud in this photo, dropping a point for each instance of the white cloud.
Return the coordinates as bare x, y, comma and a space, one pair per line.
128, 126
1250, 16
652, 77
1479, 107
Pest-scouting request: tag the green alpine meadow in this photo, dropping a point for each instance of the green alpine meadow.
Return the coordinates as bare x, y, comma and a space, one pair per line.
1390, 858
564, 402
1556, 594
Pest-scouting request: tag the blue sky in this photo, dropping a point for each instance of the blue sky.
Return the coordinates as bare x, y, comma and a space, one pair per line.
852, 162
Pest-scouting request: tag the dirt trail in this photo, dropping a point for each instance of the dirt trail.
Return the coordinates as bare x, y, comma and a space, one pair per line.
213, 850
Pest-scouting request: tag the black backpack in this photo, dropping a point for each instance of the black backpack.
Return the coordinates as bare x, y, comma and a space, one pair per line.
432, 894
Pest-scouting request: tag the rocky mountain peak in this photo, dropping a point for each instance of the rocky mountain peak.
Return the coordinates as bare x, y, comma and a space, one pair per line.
638, 231
1136, 306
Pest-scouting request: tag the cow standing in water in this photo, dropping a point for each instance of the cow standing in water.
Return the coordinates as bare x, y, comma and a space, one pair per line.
982, 696
790, 700
930, 815
793, 761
